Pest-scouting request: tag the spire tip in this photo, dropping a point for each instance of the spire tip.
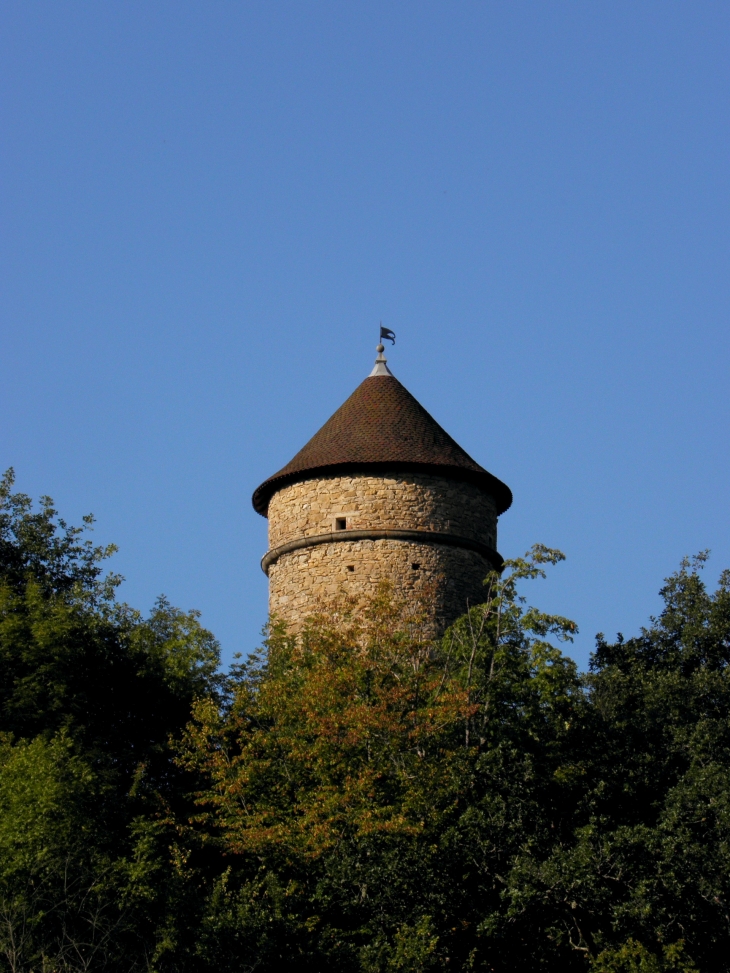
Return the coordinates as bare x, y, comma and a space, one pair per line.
381, 367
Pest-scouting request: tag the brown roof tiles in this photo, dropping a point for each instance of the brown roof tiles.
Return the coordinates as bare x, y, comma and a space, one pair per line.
382, 426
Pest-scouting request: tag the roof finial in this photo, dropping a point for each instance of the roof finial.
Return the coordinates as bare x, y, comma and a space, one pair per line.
381, 367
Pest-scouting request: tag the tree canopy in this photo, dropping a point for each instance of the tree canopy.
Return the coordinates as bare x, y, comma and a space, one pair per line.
355, 796
91, 697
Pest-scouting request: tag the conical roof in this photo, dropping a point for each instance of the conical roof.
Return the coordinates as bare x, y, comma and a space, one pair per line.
382, 427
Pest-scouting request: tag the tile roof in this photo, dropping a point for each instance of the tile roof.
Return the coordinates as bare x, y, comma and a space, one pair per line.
382, 426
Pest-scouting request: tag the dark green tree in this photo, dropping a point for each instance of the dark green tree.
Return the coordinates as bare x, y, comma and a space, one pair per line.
646, 877
91, 695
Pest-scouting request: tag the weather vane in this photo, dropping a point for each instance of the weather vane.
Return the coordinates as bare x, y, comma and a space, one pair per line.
386, 335
381, 367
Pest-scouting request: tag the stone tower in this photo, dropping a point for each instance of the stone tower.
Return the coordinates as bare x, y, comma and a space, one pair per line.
380, 492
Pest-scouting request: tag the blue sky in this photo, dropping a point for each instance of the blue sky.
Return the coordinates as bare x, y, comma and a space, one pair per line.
208, 207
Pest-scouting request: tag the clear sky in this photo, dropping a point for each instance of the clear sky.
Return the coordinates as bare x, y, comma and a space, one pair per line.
208, 207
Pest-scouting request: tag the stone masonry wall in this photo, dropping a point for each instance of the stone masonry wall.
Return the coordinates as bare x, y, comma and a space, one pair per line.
405, 501
303, 580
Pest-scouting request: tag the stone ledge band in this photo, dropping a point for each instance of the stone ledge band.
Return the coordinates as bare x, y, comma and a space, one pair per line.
420, 536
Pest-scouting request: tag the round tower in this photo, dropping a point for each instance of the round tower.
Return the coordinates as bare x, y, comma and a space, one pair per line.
380, 492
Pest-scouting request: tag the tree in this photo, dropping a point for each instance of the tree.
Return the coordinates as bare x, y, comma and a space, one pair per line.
382, 783
646, 877
91, 694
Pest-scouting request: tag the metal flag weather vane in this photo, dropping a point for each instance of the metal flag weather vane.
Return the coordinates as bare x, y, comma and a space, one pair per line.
386, 333
381, 367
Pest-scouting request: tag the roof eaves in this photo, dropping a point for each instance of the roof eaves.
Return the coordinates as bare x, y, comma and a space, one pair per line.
487, 481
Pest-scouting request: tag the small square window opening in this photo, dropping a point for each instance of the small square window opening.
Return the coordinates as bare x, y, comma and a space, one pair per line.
416, 567
340, 523
350, 567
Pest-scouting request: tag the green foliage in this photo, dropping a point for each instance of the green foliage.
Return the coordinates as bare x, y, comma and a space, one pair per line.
38, 544
414, 948
388, 781
67, 900
478, 803
357, 798
91, 695
633, 957
649, 861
